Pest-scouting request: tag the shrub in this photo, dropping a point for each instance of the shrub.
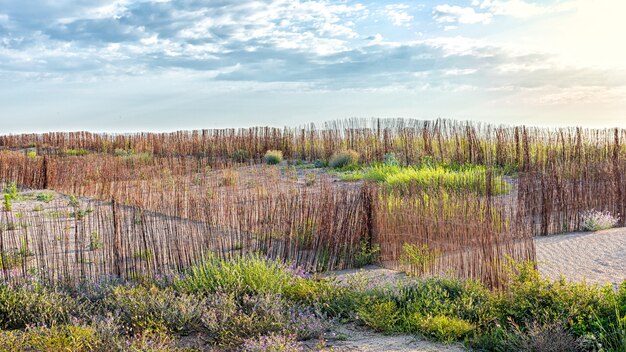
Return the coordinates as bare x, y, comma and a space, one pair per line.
320, 164
366, 254
273, 157
75, 152
272, 343
468, 300
232, 319
242, 275
343, 159
147, 308
444, 328
11, 191
20, 307
379, 314
390, 159
45, 197
419, 258
55, 338
8, 206
593, 220
31, 154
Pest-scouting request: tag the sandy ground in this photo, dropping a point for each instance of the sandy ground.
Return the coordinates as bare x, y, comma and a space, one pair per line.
597, 257
364, 340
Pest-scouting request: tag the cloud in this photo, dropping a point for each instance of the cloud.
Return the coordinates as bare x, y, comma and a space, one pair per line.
398, 14
448, 14
320, 45
521, 8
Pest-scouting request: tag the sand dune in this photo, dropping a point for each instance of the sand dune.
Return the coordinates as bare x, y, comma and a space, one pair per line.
597, 257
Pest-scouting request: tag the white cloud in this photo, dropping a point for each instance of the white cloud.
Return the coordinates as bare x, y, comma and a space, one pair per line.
445, 14
398, 15
521, 8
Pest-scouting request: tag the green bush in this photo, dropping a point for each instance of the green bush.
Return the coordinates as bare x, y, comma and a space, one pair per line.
148, 308
366, 254
55, 338
344, 159
444, 328
242, 275
273, 157
21, 307
418, 258
44, 197
379, 314
8, 205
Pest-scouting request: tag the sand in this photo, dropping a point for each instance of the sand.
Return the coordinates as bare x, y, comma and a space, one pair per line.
363, 340
595, 257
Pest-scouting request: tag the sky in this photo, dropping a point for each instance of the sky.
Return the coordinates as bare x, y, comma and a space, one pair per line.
159, 65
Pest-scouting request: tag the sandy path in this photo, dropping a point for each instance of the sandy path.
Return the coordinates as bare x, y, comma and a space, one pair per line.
597, 257
364, 340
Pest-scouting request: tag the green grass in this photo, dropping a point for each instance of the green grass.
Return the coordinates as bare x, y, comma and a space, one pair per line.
450, 178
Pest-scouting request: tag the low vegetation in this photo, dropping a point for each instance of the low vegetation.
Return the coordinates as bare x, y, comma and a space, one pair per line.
254, 304
594, 220
273, 157
425, 175
345, 159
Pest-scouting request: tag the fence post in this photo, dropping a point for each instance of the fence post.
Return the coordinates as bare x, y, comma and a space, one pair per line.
117, 249
617, 176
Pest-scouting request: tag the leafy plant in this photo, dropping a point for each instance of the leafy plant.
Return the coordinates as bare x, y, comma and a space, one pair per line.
367, 254
8, 206
95, 242
594, 220
343, 159
418, 258
444, 328
273, 157
44, 197
379, 314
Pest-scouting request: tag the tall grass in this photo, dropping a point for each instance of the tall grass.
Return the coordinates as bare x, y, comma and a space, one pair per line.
452, 179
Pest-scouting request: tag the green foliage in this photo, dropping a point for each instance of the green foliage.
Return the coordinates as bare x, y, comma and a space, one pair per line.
55, 338
148, 308
10, 195
75, 152
95, 241
451, 178
366, 254
379, 314
242, 275
44, 197
418, 258
320, 164
444, 328
273, 157
8, 206
21, 307
73, 202
31, 154
351, 176
390, 159
344, 159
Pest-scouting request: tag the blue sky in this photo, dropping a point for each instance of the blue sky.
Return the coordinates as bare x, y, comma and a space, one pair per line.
131, 65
